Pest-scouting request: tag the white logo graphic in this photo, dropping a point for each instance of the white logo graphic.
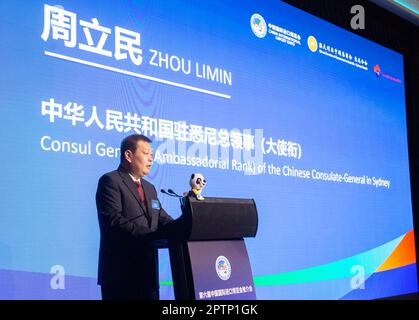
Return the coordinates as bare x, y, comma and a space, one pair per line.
358, 280
223, 268
58, 279
258, 25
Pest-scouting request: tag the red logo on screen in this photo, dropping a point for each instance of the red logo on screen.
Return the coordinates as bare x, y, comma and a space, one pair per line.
377, 70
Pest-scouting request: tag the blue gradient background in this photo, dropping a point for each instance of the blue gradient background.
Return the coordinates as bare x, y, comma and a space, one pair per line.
345, 119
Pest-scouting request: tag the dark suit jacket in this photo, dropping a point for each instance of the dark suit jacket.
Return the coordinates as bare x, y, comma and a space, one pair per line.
127, 228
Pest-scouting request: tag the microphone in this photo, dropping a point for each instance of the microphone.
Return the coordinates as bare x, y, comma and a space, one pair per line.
165, 192
174, 193
171, 193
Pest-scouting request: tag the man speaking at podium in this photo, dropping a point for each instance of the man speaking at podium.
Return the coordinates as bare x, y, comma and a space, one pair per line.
130, 217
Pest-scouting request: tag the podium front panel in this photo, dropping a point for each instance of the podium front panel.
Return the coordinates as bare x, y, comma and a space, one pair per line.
221, 270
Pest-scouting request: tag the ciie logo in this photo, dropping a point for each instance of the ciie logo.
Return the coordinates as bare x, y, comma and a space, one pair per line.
358, 280
58, 279
223, 268
312, 43
258, 25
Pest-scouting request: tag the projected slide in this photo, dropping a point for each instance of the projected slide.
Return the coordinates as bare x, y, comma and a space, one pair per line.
266, 101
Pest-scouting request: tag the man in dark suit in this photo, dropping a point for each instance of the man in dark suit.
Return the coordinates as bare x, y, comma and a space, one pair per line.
130, 218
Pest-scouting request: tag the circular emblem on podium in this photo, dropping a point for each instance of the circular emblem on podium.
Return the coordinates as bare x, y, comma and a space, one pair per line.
223, 268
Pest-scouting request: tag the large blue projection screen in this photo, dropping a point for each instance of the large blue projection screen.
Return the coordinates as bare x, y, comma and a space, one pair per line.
266, 101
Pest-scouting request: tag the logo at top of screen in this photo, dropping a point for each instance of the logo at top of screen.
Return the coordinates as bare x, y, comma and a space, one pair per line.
312, 43
377, 70
223, 268
258, 25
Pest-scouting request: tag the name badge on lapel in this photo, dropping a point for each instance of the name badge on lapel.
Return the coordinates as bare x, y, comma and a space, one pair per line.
155, 204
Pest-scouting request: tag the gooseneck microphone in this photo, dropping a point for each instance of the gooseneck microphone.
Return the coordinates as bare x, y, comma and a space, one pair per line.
174, 193
166, 192
171, 193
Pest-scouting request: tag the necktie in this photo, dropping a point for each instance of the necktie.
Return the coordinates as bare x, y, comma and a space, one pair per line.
140, 192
